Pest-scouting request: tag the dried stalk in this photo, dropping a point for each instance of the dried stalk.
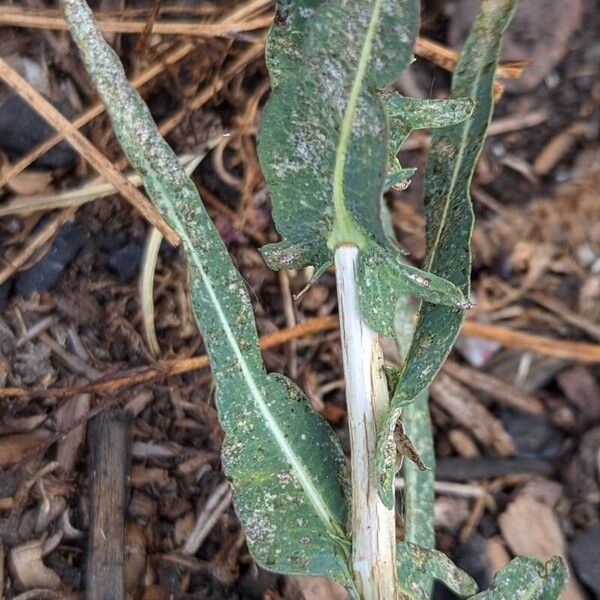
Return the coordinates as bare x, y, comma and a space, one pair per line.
373, 525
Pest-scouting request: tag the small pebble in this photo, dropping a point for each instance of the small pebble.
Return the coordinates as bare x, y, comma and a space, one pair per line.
472, 558
4, 292
21, 129
126, 261
45, 273
585, 554
535, 436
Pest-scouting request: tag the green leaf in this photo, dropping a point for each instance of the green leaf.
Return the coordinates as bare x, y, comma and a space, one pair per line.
398, 177
285, 464
454, 153
525, 578
283, 52
384, 281
418, 496
322, 143
417, 564
410, 114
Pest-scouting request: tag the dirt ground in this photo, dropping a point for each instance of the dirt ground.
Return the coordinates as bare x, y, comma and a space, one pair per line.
91, 399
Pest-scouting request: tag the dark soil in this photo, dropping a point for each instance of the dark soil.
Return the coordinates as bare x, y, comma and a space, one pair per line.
70, 316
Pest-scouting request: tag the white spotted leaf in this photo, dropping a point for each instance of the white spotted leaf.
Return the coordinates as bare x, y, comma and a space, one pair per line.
285, 464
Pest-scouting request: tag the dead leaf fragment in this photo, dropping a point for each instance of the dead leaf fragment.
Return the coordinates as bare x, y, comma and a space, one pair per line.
14, 448
471, 414
28, 570
407, 449
313, 588
533, 529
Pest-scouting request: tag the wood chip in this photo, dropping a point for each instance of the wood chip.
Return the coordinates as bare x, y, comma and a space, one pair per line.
497, 554
498, 390
532, 528
582, 390
140, 476
313, 588
15, 448
553, 152
463, 443
67, 414
28, 570
472, 415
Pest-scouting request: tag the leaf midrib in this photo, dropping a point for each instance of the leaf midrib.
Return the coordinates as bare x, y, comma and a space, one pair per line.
311, 491
345, 229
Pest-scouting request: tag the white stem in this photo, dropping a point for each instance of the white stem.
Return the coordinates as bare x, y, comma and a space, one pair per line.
373, 525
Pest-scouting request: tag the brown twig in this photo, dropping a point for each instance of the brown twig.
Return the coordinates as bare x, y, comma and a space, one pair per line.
577, 351
36, 242
87, 150
497, 389
142, 43
16, 18
150, 73
566, 349
446, 58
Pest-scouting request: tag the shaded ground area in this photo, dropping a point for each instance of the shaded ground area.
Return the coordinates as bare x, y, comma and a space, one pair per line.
517, 419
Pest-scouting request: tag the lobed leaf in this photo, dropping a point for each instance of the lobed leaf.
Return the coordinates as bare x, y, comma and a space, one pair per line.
385, 279
416, 565
526, 578
322, 143
452, 160
284, 462
410, 114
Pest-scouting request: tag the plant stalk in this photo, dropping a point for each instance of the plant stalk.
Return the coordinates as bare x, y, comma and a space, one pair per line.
373, 525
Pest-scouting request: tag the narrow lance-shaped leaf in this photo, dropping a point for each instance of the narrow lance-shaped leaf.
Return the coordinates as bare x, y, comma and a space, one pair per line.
418, 496
454, 153
525, 578
284, 462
